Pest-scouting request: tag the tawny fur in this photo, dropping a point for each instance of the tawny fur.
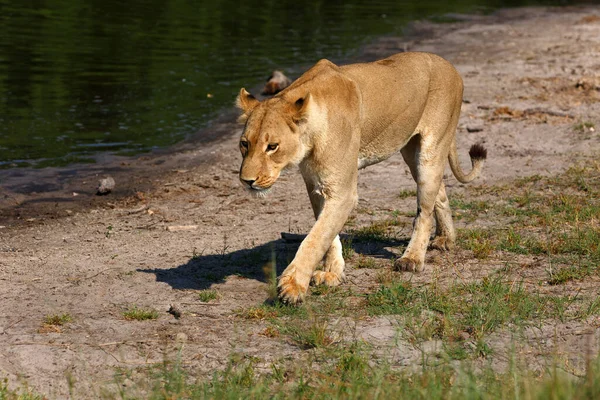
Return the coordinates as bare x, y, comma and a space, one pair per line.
333, 121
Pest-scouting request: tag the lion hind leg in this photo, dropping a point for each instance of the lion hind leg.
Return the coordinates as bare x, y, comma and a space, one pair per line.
428, 175
445, 235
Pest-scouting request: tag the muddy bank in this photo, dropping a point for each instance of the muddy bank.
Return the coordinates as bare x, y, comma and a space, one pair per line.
531, 86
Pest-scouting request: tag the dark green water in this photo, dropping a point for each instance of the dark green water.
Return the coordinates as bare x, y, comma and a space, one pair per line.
82, 77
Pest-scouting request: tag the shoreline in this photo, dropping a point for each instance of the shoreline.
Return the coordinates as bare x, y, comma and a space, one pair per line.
531, 83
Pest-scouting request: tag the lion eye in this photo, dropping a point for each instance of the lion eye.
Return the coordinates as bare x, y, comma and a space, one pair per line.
272, 147
244, 144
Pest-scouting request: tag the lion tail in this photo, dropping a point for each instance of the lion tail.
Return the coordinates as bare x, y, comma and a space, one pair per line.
478, 154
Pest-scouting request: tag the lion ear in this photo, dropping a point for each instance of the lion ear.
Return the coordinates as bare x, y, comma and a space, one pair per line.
301, 108
245, 102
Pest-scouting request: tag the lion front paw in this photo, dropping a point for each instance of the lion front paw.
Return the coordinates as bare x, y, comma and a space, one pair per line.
290, 291
327, 278
408, 264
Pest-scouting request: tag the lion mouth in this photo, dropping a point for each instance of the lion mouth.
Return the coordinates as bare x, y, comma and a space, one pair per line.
258, 192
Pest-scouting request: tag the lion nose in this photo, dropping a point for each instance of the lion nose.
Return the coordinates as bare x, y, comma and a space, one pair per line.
248, 182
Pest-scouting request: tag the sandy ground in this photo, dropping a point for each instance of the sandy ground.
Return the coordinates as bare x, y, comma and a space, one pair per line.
93, 257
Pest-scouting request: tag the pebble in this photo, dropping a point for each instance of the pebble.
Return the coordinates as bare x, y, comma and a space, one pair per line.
181, 337
474, 128
175, 311
105, 186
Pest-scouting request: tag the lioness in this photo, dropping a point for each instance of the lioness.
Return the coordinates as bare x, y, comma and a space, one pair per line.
335, 120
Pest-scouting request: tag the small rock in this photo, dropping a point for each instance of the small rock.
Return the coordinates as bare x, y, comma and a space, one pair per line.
181, 337
175, 311
182, 228
105, 186
474, 128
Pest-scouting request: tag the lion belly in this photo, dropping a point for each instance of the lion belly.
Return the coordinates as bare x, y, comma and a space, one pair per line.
365, 161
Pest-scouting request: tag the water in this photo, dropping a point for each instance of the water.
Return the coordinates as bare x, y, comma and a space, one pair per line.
82, 77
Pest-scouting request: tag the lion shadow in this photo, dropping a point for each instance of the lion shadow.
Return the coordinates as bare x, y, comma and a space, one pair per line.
201, 271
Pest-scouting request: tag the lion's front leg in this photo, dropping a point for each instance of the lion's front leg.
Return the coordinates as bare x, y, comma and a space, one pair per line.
333, 273
321, 240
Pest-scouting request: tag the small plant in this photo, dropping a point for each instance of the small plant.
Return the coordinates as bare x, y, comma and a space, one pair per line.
386, 276
54, 324
108, 231
23, 393
366, 262
196, 255
379, 231
347, 249
140, 314
258, 313
586, 126
456, 351
207, 295
478, 241
58, 319
276, 309
404, 194
312, 335
566, 274
270, 332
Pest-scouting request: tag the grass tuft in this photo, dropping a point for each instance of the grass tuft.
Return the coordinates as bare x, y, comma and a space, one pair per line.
207, 295
379, 231
366, 262
140, 314
347, 249
405, 194
58, 319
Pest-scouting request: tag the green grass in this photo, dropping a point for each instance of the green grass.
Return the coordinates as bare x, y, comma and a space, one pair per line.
271, 311
366, 262
561, 224
404, 194
58, 319
379, 231
207, 295
140, 314
23, 393
347, 372
566, 274
479, 241
347, 249
478, 308
468, 210
583, 126
310, 333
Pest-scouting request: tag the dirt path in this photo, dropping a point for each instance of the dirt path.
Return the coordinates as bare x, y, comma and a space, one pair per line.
532, 83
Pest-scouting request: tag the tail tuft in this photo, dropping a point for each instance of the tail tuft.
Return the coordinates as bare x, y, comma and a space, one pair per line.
478, 153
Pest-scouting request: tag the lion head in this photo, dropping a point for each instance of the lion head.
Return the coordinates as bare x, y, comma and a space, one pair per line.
271, 140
